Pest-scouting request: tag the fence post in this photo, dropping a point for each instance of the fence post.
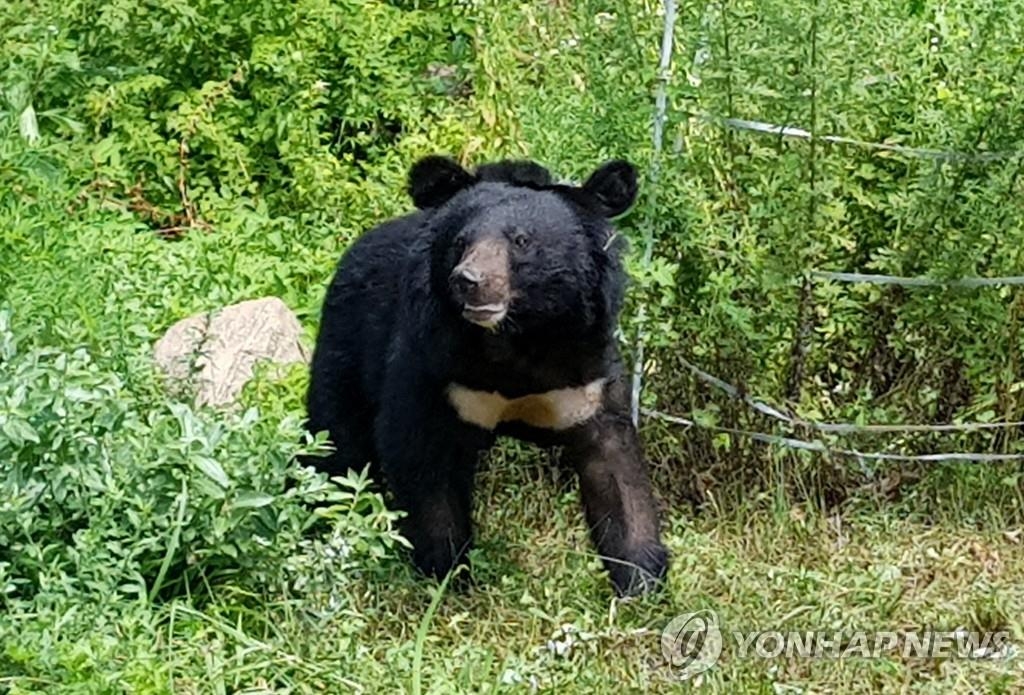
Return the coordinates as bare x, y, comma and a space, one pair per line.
658, 136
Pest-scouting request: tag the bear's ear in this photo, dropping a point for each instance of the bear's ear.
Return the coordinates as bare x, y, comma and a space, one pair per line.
613, 186
435, 179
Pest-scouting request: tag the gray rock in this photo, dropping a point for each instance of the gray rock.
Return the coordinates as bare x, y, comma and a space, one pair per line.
215, 353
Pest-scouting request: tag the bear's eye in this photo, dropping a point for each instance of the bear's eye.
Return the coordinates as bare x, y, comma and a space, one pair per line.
521, 239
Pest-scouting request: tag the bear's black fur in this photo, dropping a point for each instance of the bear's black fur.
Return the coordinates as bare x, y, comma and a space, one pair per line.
486, 312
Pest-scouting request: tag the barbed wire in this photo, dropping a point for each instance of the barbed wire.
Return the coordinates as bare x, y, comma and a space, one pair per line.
873, 279
822, 448
804, 134
837, 427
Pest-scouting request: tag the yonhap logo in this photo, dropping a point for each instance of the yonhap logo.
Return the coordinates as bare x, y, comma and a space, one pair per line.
692, 642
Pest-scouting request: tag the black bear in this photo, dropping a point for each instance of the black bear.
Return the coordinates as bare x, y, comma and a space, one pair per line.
488, 311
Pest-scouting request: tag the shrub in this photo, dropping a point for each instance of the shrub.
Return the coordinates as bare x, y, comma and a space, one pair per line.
104, 493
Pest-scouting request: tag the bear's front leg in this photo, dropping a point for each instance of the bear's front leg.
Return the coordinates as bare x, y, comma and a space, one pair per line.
438, 524
429, 459
618, 501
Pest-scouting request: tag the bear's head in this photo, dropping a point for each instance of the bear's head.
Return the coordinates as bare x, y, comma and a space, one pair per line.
512, 251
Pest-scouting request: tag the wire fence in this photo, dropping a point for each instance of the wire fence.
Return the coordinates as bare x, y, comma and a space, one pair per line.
917, 152
822, 448
778, 415
836, 428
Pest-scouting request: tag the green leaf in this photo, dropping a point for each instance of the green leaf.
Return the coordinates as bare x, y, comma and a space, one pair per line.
213, 470
19, 431
252, 500
28, 126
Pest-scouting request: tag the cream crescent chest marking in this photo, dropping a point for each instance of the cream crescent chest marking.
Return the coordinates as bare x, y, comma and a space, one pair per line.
553, 410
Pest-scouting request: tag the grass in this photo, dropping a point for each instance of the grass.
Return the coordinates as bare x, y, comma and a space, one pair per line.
537, 582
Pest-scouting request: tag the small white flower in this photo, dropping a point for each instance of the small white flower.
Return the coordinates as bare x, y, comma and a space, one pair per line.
511, 677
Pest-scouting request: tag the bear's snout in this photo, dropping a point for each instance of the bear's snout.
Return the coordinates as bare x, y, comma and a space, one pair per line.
480, 282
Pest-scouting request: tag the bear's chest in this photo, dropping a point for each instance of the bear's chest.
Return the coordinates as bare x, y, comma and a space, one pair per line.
558, 409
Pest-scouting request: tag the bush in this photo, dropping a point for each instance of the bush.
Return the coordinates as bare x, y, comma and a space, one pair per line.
106, 494
192, 111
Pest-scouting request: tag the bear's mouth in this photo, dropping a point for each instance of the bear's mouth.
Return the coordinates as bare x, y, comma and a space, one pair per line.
486, 315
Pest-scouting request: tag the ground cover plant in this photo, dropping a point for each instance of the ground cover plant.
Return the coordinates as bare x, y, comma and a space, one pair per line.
165, 158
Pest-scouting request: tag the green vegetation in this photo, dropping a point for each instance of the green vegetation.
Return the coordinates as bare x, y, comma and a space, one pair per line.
163, 158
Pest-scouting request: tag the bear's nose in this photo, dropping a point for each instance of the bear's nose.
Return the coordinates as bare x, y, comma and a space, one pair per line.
465, 280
